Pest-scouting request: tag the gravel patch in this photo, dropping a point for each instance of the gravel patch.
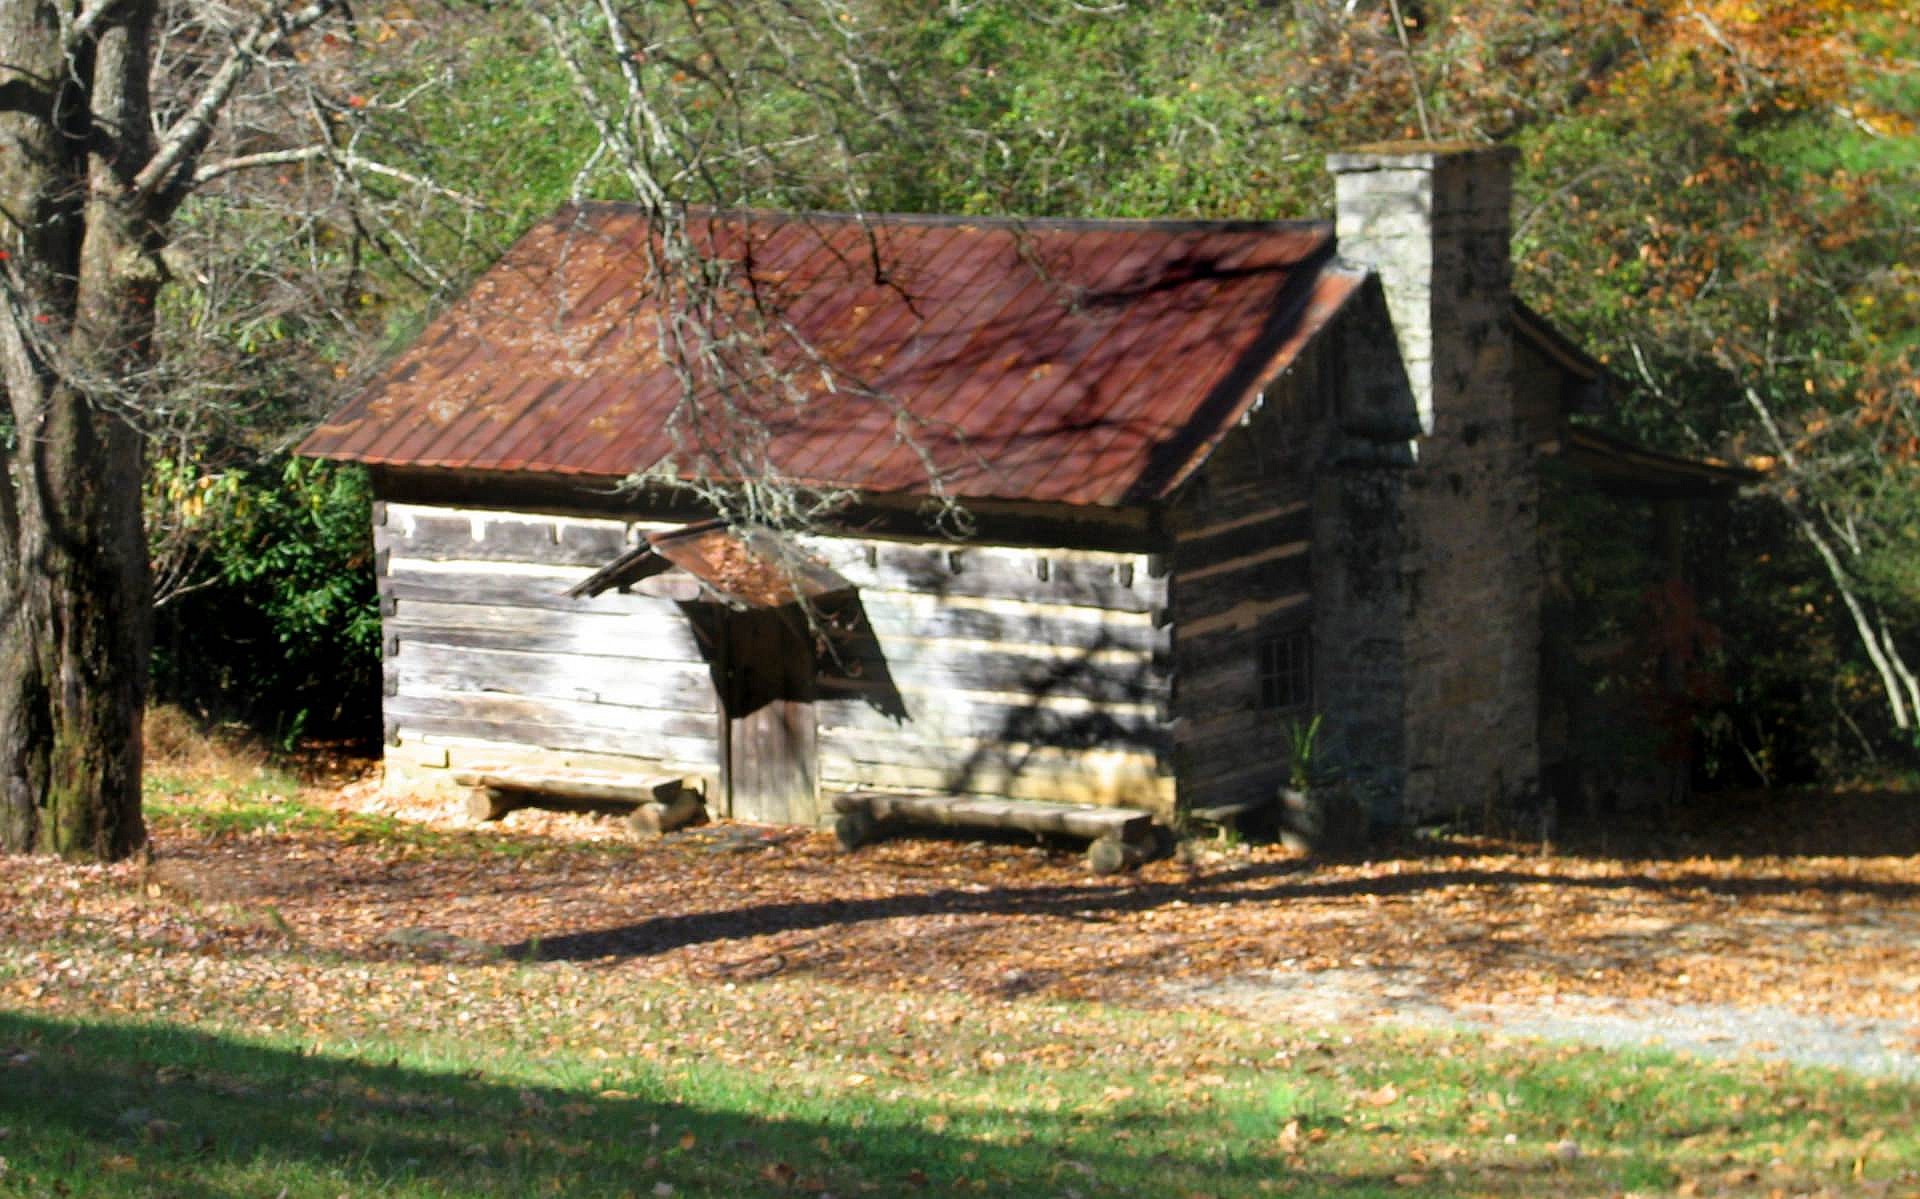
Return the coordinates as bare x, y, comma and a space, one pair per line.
1881, 1047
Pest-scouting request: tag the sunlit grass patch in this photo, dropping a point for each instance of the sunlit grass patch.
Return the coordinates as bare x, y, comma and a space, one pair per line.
217, 783
276, 1073
262, 802
270, 802
299, 995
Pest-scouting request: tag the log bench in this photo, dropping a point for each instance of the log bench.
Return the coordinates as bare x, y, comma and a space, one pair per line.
660, 803
1225, 818
1118, 838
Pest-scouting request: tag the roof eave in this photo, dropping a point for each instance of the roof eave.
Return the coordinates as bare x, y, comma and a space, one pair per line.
1625, 466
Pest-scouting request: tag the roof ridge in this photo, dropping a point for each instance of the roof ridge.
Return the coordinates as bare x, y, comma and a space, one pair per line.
998, 220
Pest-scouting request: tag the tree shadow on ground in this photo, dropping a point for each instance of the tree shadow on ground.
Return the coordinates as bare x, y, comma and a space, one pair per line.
1261, 884
107, 1109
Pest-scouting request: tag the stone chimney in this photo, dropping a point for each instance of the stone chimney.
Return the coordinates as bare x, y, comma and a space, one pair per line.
1462, 613
1433, 222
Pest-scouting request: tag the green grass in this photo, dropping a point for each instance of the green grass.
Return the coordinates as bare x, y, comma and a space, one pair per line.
290, 1076
264, 800
259, 799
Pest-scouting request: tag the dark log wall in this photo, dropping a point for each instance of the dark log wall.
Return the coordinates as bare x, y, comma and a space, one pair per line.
985, 670
488, 662
1242, 574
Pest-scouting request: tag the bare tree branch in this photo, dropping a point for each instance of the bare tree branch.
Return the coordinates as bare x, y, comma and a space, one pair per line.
1413, 70
75, 31
677, 98
1897, 679
348, 163
188, 135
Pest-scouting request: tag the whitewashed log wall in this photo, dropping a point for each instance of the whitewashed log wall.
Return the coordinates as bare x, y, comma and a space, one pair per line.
1032, 674
488, 662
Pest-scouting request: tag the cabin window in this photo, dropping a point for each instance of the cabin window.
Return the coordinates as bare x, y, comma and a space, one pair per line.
1286, 670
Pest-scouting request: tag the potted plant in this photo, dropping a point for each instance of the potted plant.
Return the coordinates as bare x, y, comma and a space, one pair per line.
1318, 812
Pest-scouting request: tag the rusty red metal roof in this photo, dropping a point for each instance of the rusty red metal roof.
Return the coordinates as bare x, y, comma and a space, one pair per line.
1084, 362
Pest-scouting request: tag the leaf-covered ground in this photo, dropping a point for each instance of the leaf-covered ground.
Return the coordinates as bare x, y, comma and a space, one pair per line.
1810, 904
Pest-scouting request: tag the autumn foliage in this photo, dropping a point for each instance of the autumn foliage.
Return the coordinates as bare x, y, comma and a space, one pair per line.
1721, 199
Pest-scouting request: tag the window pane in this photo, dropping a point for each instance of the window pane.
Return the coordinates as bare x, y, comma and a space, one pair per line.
1286, 670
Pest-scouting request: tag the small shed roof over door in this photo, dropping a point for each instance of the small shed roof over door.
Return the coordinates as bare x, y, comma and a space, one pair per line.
741, 568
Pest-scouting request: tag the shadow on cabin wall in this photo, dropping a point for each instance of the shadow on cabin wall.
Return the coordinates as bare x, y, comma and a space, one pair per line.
1021, 746
847, 659
1016, 749
981, 721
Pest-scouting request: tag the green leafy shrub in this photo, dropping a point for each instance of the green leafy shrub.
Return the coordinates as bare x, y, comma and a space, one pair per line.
280, 627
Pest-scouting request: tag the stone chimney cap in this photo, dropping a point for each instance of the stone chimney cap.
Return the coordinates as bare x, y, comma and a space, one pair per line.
1378, 156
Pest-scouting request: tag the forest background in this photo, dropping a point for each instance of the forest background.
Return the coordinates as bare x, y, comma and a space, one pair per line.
1720, 199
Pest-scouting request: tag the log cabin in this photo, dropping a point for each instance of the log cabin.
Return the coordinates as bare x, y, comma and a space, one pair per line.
1219, 480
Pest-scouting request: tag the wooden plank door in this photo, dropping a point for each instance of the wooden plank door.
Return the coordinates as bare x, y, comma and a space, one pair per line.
768, 706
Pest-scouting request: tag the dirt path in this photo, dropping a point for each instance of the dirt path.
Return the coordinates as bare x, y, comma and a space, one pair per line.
1344, 997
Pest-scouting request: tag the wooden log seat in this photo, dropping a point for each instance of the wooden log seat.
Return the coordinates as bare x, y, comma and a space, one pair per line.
1226, 818
1119, 838
660, 803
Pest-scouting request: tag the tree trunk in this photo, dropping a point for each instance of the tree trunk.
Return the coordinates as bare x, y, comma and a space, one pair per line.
23, 739
76, 347
1895, 677
71, 720
89, 185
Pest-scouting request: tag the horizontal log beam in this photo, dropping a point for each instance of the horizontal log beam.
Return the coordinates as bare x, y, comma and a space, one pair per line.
1227, 540
581, 788
962, 811
427, 668
503, 538
902, 516
693, 755
664, 634
617, 726
900, 614
1061, 722
1114, 583
1123, 677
